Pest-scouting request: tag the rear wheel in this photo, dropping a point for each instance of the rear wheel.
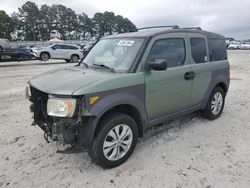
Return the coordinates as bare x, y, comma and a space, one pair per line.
115, 140
215, 104
44, 56
74, 58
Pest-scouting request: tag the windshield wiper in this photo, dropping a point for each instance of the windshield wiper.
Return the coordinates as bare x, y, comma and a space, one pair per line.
105, 66
85, 64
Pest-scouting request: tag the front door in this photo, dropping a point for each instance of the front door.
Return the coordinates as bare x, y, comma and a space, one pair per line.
56, 51
168, 91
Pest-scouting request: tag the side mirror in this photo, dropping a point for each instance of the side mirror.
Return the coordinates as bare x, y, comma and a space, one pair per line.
158, 65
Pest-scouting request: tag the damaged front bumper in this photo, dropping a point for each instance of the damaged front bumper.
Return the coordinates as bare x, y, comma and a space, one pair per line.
78, 130
64, 131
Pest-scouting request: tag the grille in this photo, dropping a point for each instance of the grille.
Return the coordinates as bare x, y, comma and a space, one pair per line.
39, 100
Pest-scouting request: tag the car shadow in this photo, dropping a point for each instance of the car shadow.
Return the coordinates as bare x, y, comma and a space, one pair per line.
173, 125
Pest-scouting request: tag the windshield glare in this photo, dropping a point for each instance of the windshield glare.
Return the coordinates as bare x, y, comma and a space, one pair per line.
115, 53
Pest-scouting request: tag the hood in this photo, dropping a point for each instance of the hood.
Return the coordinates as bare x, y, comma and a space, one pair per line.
65, 81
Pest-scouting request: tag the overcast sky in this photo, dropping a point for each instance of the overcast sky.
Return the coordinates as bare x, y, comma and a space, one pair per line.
228, 17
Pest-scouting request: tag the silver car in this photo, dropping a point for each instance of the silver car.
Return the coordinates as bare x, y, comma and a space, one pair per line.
70, 53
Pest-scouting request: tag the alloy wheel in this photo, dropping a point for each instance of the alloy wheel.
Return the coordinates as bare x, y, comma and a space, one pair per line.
117, 142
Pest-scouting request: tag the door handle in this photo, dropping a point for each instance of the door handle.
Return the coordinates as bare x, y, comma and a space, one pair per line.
189, 75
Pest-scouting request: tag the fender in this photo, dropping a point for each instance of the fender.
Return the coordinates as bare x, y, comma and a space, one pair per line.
133, 95
218, 76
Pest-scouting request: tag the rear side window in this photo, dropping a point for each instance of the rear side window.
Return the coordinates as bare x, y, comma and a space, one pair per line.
198, 50
217, 49
57, 47
171, 50
66, 47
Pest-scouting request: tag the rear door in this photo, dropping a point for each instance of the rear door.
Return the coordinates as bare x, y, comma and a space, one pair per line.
168, 91
69, 50
199, 59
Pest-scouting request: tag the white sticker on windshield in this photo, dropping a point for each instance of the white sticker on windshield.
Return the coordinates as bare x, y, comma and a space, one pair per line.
125, 43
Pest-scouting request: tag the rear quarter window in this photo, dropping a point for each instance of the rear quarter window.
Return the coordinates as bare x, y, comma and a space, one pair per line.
198, 50
217, 49
66, 47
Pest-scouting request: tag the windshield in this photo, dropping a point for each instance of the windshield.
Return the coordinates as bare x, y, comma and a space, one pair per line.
117, 54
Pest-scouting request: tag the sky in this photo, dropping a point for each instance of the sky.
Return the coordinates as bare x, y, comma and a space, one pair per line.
228, 17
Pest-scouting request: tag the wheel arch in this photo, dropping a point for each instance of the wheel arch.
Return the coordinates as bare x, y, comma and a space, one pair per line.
219, 78
75, 55
120, 100
223, 85
128, 109
45, 52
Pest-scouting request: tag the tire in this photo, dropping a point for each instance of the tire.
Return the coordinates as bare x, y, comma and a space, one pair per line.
215, 104
115, 123
74, 58
67, 60
44, 56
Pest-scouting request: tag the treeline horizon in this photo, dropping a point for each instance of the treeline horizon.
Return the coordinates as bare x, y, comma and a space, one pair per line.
32, 22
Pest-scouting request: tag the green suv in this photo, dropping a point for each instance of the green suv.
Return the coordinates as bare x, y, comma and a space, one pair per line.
128, 83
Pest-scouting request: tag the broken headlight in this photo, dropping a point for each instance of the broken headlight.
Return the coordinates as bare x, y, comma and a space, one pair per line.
61, 107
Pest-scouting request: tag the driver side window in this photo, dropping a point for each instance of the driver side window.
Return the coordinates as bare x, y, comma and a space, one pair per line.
171, 50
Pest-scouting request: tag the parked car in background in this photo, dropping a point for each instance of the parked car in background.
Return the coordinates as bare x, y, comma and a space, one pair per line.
245, 46
24, 53
4, 44
17, 54
70, 53
234, 45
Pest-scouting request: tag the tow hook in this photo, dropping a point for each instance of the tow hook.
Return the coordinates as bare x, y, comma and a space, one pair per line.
46, 137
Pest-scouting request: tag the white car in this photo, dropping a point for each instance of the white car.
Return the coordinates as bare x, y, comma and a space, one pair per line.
245, 46
70, 53
4, 44
234, 46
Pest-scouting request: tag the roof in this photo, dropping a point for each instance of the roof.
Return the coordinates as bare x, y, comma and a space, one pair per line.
161, 30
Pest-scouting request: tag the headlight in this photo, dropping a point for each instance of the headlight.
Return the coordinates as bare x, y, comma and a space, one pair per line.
61, 107
27, 92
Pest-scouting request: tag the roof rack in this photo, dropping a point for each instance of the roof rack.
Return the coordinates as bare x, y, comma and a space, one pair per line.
161, 26
152, 27
197, 28
166, 26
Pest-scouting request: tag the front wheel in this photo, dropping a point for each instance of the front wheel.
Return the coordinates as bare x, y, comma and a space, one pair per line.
115, 140
44, 56
215, 104
74, 58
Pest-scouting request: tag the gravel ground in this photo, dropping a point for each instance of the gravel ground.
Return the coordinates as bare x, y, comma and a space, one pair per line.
186, 152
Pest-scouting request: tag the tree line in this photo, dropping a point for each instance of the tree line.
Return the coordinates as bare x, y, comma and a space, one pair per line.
32, 22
